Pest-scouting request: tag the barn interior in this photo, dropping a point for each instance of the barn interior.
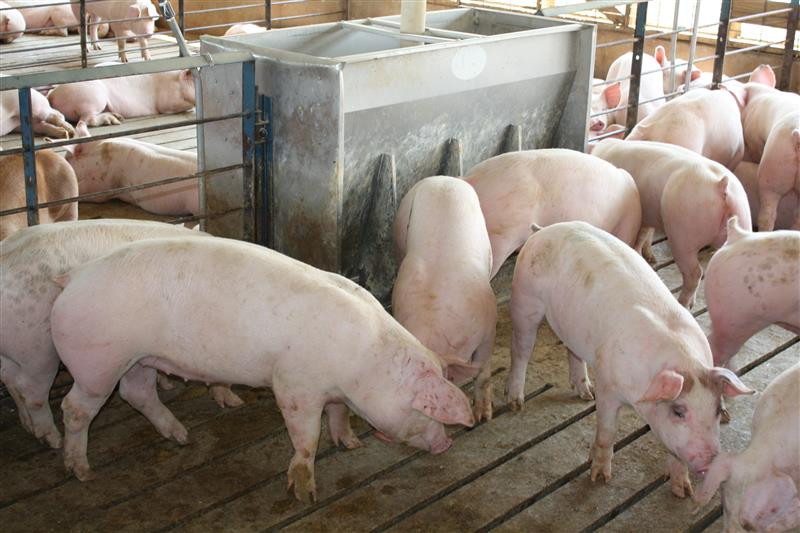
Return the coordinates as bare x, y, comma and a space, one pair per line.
324, 187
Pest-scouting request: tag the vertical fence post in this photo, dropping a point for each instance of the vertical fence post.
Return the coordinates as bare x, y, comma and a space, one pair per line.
268, 13
788, 50
263, 171
636, 65
82, 28
248, 146
181, 16
28, 155
722, 42
673, 41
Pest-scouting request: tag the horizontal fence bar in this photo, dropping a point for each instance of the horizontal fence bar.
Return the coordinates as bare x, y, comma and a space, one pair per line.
126, 69
615, 43
77, 43
97, 55
586, 6
214, 26
308, 15
227, 8
622, 129
762, 14
754, 47
128, 188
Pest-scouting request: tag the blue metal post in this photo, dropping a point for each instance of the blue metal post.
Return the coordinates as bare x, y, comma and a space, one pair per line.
722, 41
28, 155
248, 146
636, 65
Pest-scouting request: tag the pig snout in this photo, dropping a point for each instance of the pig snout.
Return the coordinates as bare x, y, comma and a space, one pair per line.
597, 125
699, 459
434, 439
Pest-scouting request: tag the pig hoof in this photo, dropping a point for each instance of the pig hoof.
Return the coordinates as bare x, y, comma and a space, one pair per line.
585, 390
649, 257
482, 411
53, 440
725, 416
224, 396
164, 383
179, 434
682, 488
301, 478
598, 469
82, 472
351, 442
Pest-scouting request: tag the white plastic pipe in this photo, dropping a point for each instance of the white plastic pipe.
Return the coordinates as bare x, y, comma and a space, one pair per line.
412, 16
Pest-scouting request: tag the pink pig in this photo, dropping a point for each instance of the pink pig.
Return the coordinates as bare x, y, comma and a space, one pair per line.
46, 120
442, 293
704, 121
50, 17
29, 260
12, 23
121, 162
547, 186
107, 101
747, 173
753, 281
317, 339
244, 29
684, 194
613, 312
118, 13
616, 93
760, 485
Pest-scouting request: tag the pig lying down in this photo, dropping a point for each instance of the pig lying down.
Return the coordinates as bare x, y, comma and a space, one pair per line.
752, 282
442, 293
46, 120
29, 260
224, 310
760, 485
684, 194
107, 101
55, 181
613, 312
12, 23
123, 162
549, 186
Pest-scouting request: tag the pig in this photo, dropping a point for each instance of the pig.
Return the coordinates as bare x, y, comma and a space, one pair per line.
29, 260
704, 121
317, 339
612, 311
747, 173
12, 23
244, 29
547, 186
118, 14
442, 293
122, 162
684, 194
760, 484
51, 17
55, 181
779, 170
46, 120
753, 281
651, 88
660, 55
107, 101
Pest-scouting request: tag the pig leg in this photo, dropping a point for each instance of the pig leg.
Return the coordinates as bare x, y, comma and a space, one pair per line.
603, 448
690, 268
644, 244
768, 209
483, 385
121, 46
224, 396
94, 20
679, 477
579, 376
339, 425
80, 407
30, 389
302, 414
527, 312
102, 119
143, 47
138, 388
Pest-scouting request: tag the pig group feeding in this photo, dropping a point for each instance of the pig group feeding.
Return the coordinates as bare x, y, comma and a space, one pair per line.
119, 301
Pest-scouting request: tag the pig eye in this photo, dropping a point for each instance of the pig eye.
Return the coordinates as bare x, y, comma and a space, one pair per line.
679, 411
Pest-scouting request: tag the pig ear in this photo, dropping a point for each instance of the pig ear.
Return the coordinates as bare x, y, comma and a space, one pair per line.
738, 92
666, 386
764, 75
771, 505
696, 74
661, 55
440, 400
457, 370
719, 472
612, 95
186, 75
728, 382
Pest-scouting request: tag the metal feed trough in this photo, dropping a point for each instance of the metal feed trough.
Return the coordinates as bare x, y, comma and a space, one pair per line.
361, 112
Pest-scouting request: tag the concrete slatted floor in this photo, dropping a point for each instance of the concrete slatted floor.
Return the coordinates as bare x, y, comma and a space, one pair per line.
525, 471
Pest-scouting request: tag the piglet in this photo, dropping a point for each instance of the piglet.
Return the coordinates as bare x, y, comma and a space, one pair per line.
55, 180
615, 94
46, 120
760, 484
12, 23
107, 101
751, 282
613, 312
51, 17
126, 18
548, 186
29, 260
747, 173
684, 194
442, 293
244, 29
317, 339
122, 162
704, 121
